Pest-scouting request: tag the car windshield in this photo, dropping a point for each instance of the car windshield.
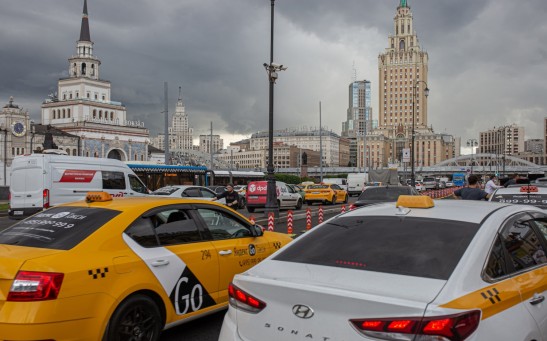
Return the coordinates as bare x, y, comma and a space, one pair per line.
398, 245
383, 193
165, 191
59, 228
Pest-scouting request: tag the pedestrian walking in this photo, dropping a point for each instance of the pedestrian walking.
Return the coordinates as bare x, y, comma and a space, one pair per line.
232, 197
471, 192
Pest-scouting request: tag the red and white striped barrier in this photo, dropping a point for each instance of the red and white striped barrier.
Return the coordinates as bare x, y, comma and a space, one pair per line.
289, 222
252, 220
320, 214
270, 221
308, 219
343, 209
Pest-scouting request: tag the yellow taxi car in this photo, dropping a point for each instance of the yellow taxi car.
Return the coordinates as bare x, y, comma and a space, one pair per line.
122, 269
325, 193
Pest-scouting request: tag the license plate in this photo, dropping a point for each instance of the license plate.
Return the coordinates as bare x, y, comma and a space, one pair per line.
315, 192
253, 197
17, 212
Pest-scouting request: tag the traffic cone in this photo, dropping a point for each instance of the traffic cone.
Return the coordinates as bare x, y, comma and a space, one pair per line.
320, 214
343, 208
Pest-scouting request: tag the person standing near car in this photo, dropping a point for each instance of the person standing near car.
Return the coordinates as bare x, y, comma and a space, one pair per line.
232, 197
492, 185
471, 192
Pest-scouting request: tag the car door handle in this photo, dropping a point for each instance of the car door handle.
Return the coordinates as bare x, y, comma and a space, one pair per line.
160, 262
537, 299
225, 252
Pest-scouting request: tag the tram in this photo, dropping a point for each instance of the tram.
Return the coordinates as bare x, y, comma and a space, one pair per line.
155, 176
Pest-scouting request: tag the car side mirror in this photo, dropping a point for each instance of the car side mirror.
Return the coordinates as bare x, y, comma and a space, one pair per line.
257, 230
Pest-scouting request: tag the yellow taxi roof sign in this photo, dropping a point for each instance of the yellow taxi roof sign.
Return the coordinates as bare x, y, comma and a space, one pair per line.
415, 201
98, 197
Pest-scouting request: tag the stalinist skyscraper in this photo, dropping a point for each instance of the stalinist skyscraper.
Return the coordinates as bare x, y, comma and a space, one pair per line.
403, 71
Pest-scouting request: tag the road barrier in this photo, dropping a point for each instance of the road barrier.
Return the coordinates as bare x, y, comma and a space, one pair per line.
343, 208
320, 218
289, 222
308, 219
252, 219
270, 221
351, 207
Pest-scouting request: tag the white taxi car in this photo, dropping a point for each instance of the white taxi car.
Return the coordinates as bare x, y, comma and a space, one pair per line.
535, 195
411, 270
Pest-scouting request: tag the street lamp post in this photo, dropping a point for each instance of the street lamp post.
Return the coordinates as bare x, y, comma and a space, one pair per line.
5, 130
472, 143
414, 91
272, 69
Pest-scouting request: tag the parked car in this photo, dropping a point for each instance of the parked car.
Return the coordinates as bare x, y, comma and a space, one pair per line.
184, 191
441, 185
113, 269
417, 269
535, 194
374, 195
419, 186
449, 184
299, 190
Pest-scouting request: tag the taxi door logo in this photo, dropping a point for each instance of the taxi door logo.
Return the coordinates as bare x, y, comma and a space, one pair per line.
189, 295
252, 250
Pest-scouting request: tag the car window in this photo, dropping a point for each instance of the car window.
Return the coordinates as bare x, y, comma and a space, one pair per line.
383, 193
59, 228
497, 262
205, 193
336, 187
222, 225
406, 246
522, 244
192, 193
136, 184
113, 180
165, 191
166, 227
318, 187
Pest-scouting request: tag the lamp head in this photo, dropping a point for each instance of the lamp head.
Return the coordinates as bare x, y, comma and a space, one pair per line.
426, 91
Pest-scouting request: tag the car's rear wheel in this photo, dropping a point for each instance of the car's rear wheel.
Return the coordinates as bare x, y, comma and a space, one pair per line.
346, 199
137, 318
299, 204
250, 209
333, 201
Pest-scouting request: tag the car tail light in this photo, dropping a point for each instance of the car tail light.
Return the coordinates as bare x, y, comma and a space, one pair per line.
46, 198
35, 286
242, 300
456, 327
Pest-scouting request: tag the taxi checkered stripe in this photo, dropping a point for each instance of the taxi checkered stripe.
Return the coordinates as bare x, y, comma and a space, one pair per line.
98, 273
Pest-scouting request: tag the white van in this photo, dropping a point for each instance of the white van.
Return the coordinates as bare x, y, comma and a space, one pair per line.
39, 181
356, 183
339, 181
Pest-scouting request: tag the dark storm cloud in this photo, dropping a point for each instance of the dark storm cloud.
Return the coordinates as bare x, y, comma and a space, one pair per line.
487, 58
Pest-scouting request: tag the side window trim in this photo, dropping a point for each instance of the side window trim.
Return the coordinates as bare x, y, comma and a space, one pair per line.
203, 224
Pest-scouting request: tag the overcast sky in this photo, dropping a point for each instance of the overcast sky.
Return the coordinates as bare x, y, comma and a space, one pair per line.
487, 58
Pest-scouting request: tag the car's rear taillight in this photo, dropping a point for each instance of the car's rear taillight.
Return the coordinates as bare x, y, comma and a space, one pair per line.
242, 300
456, 327
46, 198
35, 286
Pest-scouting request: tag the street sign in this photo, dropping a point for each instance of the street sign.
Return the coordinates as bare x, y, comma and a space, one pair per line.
406, 154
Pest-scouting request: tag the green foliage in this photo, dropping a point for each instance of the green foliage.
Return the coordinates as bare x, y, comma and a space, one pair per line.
288, 178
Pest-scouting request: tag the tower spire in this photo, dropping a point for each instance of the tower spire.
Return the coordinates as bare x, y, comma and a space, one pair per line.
180, 93
84, 30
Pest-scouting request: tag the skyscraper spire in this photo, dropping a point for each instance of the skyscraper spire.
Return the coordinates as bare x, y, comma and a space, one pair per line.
180, 93
84, 30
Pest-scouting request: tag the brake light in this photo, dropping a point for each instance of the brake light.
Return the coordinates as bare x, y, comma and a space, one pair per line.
241, 300
35, 286
456, 327
46, 198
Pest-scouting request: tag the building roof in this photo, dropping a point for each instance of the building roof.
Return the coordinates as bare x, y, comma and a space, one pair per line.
42, 129
10, 104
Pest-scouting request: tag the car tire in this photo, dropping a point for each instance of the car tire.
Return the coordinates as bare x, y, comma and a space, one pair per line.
250, 209
138, 314
299, 204
333, 201
346, 199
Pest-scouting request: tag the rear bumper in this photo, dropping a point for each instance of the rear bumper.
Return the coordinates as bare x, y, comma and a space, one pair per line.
67, 330
21, 213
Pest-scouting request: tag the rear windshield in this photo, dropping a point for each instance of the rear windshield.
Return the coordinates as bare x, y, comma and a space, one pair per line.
382, 193
409, 246
165, 191
428, 179
59, 228
318, 187
535, 199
